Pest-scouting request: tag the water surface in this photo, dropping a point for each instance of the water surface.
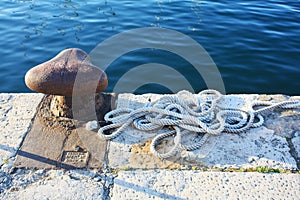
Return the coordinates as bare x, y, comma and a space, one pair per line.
255, 44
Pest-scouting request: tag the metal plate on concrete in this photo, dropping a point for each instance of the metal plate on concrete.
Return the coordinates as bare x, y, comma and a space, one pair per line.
76, 158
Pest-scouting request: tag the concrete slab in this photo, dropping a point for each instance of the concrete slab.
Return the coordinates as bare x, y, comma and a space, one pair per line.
131, 149
285, 123
53, 184
56, 142
295, 148
16, 114
296, 143
174, 184
257, 147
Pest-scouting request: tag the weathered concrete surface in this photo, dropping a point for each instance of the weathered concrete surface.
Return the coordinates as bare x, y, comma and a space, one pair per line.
274, 145
296, 143
147, 184
51, 148
59, 142
16, 114
53, 184
166, 184
257, 147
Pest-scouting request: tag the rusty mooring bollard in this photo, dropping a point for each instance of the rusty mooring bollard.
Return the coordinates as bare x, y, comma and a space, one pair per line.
57, 77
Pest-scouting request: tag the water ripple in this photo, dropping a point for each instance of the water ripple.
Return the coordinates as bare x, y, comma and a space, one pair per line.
255, 44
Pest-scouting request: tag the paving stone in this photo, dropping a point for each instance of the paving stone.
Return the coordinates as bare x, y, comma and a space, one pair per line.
58, 142
257, 147
16, 114
122, 152
166, 184
54, 184
284, 122
296, 143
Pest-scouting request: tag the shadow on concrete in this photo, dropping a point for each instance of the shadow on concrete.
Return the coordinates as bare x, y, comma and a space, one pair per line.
45, 160
146, 190
8, 149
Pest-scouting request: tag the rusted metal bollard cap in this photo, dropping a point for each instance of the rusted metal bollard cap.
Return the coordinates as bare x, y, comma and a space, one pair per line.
57, 76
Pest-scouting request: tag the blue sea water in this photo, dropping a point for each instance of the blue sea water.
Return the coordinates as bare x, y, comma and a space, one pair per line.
254, 44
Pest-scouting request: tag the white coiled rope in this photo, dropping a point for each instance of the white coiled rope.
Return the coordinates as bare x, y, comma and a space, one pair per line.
187, 113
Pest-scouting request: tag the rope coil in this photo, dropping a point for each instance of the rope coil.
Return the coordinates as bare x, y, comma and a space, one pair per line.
186, 113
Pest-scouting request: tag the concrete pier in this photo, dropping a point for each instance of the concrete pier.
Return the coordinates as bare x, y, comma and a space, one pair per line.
261, 163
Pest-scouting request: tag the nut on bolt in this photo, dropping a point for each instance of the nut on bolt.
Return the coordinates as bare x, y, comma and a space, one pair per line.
57, 77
